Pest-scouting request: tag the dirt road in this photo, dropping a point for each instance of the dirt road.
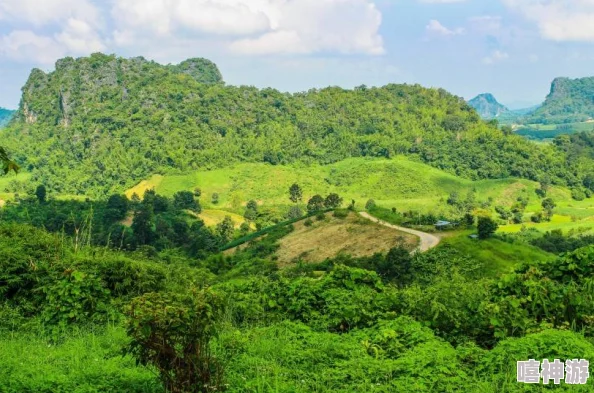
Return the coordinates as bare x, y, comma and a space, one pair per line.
428, 241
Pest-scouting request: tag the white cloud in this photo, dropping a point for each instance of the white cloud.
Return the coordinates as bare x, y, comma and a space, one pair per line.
69, 27
495, 57
78, 37
44, 12
24, 45
257, 26
559, 20
436, 28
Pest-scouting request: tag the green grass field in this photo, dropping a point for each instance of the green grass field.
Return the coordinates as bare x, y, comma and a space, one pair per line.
498, 256
399, 182
550, 131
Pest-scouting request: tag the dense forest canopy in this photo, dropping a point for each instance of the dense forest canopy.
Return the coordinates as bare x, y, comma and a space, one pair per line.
98, 125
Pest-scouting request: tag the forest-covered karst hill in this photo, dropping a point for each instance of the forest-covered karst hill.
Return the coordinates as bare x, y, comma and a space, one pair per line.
569, 101
100, 124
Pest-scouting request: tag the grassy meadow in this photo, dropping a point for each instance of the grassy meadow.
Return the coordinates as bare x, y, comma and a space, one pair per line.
399, 183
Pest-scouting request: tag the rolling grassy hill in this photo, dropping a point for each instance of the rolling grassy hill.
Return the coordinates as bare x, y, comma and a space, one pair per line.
399, 182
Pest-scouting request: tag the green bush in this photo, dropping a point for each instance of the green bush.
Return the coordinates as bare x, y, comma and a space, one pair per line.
173, 333
308, 222
74, 298
341, 213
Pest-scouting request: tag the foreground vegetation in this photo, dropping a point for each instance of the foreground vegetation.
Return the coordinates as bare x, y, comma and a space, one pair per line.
436, 322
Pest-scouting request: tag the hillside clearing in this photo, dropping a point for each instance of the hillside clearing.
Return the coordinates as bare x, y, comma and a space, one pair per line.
352, 235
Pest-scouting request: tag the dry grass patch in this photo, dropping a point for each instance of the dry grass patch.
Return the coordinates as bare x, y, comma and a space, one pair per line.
352, 235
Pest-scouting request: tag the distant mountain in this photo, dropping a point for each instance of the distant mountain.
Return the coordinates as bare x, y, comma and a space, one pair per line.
487, 106
570, 101
5, 116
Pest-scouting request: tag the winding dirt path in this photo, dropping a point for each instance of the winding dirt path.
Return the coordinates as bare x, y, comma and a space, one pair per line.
428, 241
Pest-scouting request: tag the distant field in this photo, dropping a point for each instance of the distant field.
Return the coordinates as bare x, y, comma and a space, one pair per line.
564, 223
353, 235
549, 131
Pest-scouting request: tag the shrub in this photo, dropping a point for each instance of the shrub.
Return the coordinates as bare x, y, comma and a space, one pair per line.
308, 222
173, 333
486, 227
341, 213
75, 297
294, 213
370, 204
320, 216
578, 194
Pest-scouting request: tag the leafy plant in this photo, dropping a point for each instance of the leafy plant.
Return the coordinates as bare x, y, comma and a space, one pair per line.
173, 333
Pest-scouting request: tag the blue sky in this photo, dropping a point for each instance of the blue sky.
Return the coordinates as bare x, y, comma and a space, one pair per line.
511, 48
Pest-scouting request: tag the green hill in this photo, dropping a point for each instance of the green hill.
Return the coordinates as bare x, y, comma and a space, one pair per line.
5, 116
569, 101
101, 124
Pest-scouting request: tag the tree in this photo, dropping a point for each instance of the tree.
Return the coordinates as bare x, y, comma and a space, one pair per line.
185, 200
253, 205
370, 204
173, 333
294, 212
486, 227
315, 204
115, 209
469, 219
397, 266
333, 201
197, 192
244, 228
215, 198
41, 193
295, 193
225, 229
251, 210
548, 205
545, 185
142, 224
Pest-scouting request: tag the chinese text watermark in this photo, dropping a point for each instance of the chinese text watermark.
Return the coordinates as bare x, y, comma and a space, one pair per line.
573, 372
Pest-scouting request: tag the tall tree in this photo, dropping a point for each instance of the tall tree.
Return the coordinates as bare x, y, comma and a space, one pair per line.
142, 224
295, 193
41, 193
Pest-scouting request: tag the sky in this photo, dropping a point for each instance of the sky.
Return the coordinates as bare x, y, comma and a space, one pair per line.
510, 48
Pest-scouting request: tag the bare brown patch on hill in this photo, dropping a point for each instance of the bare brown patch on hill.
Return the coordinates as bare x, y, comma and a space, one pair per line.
330, 237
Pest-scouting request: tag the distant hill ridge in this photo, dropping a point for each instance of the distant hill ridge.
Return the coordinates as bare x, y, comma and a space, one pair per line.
100, 124
487, 106
5, 116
